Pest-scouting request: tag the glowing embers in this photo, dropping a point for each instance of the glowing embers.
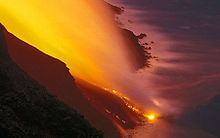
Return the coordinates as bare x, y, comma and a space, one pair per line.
150, 116
115, 93
115, 116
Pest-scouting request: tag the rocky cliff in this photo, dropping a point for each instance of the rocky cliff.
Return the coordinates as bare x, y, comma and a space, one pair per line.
27, 110
55, 76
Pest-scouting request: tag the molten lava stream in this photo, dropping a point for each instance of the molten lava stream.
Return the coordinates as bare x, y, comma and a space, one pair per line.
90, 44
116, 107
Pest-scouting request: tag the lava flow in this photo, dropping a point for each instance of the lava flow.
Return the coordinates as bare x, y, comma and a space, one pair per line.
83, 35
76, 32
150, 116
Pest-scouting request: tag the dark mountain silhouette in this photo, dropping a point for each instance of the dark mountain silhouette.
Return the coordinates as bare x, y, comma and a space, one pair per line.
115, 9
137, 53
55, 76
28, 110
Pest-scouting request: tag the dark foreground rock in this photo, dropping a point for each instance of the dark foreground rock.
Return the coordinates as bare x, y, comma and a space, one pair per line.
27, 110
56, 78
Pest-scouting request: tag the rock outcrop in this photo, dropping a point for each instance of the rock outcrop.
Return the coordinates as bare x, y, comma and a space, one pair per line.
136, 53
55, 76
27, 110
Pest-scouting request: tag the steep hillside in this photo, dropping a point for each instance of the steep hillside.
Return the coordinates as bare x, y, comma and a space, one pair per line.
27, 110
55, 76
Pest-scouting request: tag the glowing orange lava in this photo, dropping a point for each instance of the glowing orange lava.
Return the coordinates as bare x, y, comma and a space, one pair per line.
130, 105
150, 117
81, 33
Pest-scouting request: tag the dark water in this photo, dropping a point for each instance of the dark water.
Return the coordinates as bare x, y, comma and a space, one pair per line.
187, 42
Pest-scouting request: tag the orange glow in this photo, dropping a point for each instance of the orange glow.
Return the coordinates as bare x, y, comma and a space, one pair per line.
156, 102
150, 117
130, 105
81, 33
